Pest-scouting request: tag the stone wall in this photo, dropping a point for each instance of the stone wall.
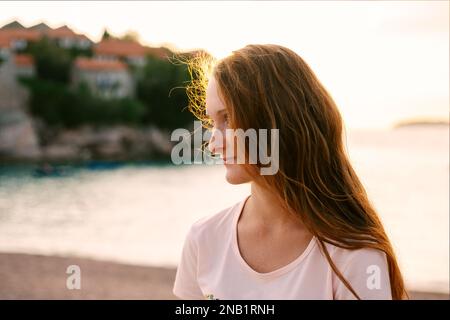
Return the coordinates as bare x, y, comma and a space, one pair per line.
18, 138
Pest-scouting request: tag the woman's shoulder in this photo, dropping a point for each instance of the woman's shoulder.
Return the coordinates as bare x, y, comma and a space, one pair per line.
366, 270
344, 257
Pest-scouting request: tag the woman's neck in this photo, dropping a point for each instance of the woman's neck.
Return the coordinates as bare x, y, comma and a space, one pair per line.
264, 211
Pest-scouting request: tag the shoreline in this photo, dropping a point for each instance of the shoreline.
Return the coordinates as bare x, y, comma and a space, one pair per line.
29, 276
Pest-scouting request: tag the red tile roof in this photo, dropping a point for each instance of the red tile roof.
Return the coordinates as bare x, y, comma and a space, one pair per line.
127, 48
23, 60
119, 48
63, 32
7, 35
16, 34
107, 47
98, 64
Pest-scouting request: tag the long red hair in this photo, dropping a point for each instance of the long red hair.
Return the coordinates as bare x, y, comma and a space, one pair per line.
270, 86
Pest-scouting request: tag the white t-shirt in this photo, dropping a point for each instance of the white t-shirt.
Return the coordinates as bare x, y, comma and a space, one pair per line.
212, 267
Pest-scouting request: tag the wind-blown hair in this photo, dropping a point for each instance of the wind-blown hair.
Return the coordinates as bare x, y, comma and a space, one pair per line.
271, 87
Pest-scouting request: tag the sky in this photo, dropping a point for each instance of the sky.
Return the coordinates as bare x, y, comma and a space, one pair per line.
382, 62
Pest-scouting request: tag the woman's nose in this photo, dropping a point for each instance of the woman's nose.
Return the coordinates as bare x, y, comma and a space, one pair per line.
215, 144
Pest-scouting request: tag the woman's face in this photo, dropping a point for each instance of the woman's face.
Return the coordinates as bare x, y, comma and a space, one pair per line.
218, 143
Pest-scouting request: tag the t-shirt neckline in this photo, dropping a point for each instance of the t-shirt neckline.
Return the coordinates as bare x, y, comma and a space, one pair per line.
264, 275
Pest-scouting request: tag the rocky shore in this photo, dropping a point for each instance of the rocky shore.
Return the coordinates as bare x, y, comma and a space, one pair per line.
24, 139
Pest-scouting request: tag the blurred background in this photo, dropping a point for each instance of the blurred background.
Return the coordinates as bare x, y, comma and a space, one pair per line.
89, 94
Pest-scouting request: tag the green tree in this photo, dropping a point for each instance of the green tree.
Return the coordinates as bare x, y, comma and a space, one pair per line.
60, 105
106, 35
131, 36
161, 87
52, 62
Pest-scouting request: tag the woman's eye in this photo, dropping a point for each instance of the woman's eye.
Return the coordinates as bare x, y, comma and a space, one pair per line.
209, 123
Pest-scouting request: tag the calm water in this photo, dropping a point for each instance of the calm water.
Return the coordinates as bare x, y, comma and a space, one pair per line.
140, 213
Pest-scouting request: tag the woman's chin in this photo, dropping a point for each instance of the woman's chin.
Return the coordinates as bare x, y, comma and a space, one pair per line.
236, 175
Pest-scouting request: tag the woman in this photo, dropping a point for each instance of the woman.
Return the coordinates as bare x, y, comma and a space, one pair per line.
308, 231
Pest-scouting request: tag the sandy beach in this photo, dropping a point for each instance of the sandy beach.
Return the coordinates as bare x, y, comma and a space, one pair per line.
24, 276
